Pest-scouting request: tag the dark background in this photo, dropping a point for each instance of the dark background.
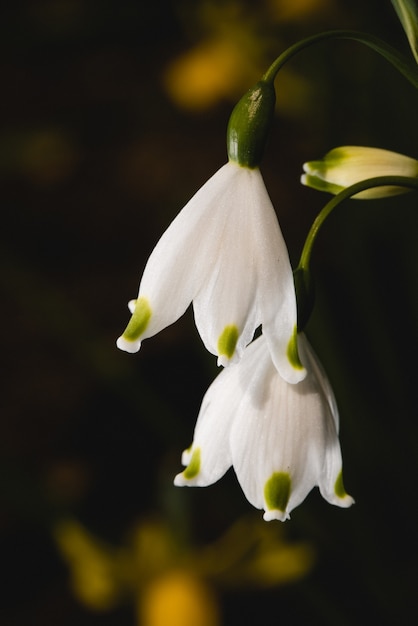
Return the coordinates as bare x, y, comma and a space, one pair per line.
95, 160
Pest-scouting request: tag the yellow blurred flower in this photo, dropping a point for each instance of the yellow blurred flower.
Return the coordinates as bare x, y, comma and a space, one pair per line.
208, 73
172, 584
92, 565
228, 56
270, 561
178, 598
233, 52
293, 10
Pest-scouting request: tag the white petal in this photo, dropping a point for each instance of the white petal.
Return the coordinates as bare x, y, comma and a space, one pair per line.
229, 299
313, 364
251, 282
250, 445
224, 251
331, 483
181, 260
210, 445
275, 287
282, 438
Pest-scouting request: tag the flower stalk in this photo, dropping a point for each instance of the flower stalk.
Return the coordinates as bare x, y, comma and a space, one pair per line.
302, 274
393, 56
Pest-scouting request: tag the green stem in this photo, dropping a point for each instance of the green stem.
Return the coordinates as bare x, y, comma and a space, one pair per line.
409, 70
302, 275
379, 181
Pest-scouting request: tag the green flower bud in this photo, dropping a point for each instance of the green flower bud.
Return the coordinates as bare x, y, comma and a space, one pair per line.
249, 125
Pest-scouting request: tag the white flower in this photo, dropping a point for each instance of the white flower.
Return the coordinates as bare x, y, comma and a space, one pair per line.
347, 165
281, 439
225, 253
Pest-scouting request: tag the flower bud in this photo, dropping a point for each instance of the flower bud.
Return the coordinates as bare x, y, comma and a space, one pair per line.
347, 165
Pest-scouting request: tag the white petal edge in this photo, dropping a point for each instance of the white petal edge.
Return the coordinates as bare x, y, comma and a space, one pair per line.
211, 436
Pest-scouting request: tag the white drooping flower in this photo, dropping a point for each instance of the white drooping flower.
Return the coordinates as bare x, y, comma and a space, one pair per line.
347, 165
225, 253
281, 439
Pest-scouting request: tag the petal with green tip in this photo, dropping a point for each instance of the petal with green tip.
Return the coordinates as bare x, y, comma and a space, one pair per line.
225, 253
280, 438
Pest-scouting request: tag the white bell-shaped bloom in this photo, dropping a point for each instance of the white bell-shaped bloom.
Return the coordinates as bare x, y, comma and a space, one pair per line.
225, 253
347, 165
281, 439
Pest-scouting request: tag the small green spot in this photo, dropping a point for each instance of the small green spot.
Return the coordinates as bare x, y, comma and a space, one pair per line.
292, 351
193, 467
277, 491
339, 489
228, 340
139, 320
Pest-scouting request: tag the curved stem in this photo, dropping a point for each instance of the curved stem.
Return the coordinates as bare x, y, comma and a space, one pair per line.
409, 70
380, 181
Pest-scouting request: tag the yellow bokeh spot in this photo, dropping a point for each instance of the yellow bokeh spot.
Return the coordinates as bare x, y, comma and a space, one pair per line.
152, 548
178, 598
252, 553
169, 582
293, 10
92, 567
204, 75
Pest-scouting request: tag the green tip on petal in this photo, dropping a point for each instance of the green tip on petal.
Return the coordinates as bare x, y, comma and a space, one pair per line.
193, 467
339, 489
139, 320
292, 351
227, 341
277, 491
